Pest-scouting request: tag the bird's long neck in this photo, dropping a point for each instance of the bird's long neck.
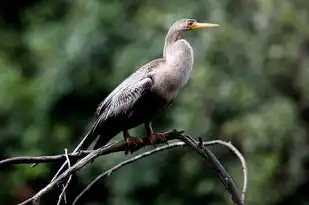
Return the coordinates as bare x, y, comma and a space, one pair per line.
172, 36
178, 56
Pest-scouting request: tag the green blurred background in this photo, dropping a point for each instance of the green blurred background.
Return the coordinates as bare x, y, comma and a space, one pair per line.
250, 85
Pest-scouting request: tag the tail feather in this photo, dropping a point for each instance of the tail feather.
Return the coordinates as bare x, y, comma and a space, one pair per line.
83, 145
89, 138
109, 130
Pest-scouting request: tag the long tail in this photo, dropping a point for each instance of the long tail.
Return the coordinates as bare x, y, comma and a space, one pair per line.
84, 144
88, 139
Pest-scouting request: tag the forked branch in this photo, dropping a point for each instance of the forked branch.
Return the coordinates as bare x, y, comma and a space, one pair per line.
87, 157
110, 171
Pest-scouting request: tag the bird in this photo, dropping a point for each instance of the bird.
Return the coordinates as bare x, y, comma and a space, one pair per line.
146, 93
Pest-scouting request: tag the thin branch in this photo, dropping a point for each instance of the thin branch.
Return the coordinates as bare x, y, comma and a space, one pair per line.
204, 152
68, 182
166, 147
42, 159
242, 160
126, 162
114, 147
63, 176
121, 146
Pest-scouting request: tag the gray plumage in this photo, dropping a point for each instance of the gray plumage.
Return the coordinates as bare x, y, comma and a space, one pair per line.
147, 92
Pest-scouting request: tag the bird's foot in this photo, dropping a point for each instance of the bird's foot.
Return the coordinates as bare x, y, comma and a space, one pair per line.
162, 137
157, 137
152, 139
133, 144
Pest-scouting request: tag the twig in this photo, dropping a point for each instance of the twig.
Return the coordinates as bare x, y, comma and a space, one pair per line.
67, 184
243, 164
129, 161
64, 175
121, 146
166, 147
41, 159
114, 147
204, 152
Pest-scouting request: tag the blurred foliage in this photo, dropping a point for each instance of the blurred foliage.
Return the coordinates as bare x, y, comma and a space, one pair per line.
59, 59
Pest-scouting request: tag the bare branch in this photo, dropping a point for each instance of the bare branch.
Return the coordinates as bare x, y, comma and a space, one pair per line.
41, 159
121, 146
242, 160
112, 147
68, 182
167, 147
116, 146
129, 161
204, 152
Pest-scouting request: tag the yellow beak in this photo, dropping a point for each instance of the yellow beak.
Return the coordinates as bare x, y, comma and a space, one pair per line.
203, 25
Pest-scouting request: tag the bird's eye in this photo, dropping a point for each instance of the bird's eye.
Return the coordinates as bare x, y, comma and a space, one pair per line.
190, 23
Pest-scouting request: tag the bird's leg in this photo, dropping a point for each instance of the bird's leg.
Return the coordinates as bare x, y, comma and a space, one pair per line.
153, 137
132, 142
150, 135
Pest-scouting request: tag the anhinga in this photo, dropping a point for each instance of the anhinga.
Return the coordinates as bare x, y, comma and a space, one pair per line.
147, 92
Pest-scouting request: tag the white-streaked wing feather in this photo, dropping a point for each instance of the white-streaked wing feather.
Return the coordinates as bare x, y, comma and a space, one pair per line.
133, 83
124, 100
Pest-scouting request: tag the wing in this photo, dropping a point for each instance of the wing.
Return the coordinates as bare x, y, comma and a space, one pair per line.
128, 91
126, 98
121, 99
117, 103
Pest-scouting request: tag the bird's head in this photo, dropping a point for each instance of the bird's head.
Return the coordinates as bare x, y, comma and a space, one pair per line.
191, 24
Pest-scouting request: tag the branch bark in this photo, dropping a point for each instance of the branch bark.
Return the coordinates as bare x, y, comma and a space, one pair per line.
110, 171
121, 146
116, 146
63, 194
41, 159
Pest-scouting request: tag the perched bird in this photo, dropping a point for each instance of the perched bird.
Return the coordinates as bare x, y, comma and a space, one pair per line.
147, 92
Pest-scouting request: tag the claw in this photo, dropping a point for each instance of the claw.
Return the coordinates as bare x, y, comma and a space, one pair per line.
157, 137
133, 144
162, 137
152, 139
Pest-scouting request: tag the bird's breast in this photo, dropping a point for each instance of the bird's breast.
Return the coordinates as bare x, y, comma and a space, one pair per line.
168, 81
175, 71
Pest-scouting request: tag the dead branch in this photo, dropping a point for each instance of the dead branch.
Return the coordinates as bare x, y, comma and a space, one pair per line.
67, 184
116, 146
110, 171
121, 146
41, 159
